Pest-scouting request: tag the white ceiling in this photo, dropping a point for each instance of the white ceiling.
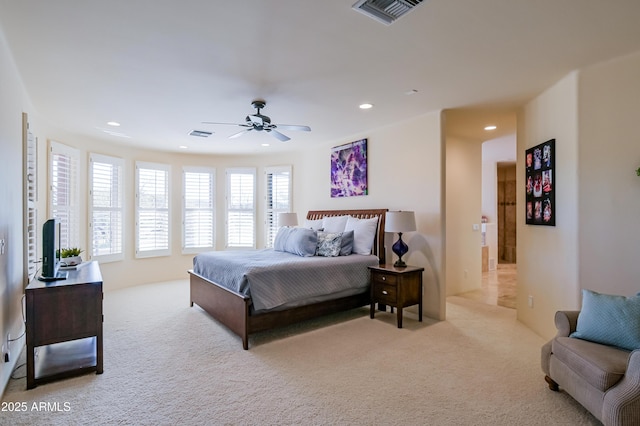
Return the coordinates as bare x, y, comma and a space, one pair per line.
161, 67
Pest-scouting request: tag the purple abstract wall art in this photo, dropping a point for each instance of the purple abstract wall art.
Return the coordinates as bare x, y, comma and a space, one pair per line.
349, 169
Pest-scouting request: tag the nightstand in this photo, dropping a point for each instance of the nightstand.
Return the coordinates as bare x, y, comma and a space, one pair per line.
397, 287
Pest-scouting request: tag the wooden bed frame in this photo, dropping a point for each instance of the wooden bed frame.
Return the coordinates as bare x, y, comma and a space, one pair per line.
234, 309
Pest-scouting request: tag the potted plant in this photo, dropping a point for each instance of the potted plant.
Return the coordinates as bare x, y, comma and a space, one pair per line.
71, 256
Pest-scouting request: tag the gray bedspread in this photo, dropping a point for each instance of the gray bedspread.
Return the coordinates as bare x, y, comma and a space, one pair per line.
274, 278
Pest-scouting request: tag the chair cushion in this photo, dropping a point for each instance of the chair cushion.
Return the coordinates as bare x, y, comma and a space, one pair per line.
601, 366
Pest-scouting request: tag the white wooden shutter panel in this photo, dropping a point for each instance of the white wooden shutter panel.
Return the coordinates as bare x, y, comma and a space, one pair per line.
107, 207
152, 210
30, 194
198, 209
278, 199
64, 192
241, 208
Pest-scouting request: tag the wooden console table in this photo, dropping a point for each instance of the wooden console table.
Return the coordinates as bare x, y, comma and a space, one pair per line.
64, 325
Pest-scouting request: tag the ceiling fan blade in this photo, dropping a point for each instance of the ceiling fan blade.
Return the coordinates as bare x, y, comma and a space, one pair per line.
278, 135
240, 133
293, 127
226, 124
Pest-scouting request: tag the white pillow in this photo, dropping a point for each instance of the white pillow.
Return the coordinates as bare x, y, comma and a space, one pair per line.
364, 232
316, 225
334, 224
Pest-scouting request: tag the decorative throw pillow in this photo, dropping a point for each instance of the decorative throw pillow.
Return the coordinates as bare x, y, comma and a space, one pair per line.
609, 319
300, 241
334, 223
364, 232
316, 225
347, 243
329, 244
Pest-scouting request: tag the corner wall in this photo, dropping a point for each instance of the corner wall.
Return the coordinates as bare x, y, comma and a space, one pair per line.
13, 102
548, 255
464, 210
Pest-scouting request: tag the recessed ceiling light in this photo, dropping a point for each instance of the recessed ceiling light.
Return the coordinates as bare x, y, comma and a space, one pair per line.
183, 147
490, 128
366, 106
265, 144
113, 123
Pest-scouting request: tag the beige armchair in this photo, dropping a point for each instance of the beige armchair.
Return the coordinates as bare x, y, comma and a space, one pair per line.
603, 379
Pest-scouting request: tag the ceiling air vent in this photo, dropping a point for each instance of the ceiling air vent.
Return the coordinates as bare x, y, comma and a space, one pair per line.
386, 11
200, 133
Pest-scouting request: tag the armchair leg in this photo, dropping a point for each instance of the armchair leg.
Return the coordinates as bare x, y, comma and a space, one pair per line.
552, 385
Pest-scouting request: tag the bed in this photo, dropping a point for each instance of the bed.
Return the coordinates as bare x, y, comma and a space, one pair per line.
235, 309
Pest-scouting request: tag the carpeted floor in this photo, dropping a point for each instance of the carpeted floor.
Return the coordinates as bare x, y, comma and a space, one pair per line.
166, 363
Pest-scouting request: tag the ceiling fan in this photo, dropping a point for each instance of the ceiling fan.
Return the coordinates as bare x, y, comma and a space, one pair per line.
259, 122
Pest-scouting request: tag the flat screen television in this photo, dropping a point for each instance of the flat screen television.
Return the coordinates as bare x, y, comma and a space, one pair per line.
51, 252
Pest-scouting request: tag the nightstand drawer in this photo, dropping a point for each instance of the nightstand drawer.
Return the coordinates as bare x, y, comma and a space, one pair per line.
386, 279
385, 293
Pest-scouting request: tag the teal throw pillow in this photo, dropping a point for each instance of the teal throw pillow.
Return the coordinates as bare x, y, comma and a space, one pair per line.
610, 320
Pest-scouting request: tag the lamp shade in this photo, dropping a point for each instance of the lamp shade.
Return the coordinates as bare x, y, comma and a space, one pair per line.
400, 221
288, 219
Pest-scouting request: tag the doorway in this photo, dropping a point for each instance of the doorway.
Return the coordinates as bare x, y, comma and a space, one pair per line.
506, 199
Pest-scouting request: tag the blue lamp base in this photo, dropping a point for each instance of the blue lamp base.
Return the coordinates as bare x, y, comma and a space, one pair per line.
400, 248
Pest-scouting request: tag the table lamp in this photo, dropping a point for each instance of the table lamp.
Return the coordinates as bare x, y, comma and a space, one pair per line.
287, 219
400, 221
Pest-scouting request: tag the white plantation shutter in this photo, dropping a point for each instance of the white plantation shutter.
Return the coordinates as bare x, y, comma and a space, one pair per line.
198, 209
30, 202
106, 208
152, 210
63, 192
278, 199
241, 208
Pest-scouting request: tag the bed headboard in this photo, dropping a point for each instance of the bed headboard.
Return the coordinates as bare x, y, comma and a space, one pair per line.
378, 242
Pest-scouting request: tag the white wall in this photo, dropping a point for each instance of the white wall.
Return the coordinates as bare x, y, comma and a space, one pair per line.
548, 255
463, 210
405, 172
593, 116
609, 192
13, 103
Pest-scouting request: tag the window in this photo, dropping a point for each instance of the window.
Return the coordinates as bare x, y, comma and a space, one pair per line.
106, 209
278, 199
63, 201
198, 209
241, 208
152, 210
